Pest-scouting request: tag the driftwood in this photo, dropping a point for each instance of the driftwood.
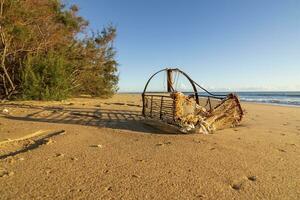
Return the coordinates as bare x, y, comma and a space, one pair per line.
32, 135
192, 117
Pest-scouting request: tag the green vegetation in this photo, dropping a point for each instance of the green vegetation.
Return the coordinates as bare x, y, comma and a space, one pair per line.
47, 54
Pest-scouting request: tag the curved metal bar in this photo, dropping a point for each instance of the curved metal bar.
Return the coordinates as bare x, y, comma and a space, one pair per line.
215, 95
192, 83
143, 94
174, 69
151, 78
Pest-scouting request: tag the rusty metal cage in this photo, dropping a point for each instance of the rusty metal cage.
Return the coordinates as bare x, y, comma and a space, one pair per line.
161, 105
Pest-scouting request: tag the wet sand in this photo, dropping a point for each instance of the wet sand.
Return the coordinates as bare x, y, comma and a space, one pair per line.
102, 149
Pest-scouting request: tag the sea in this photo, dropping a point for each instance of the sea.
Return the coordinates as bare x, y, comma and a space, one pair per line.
277, 98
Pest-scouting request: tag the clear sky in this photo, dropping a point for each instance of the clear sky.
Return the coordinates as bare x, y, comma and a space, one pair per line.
232, 45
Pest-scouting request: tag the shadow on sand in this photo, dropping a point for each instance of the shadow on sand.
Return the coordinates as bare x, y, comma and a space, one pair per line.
31, 146
116, 119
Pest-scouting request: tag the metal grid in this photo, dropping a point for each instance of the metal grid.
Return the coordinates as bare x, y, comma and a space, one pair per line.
159, 107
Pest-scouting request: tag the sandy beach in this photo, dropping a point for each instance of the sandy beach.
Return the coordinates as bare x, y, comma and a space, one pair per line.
87, 148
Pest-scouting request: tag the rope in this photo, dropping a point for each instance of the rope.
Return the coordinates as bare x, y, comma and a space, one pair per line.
176, 80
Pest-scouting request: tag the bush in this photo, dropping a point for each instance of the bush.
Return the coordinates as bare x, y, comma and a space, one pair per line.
46, 77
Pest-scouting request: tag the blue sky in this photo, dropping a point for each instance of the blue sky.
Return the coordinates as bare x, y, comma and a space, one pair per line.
235, 45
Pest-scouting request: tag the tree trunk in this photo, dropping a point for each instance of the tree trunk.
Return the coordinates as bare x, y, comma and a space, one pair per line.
3, 63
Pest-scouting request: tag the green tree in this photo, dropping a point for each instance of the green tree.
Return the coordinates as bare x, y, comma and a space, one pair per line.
46, 77
39, 43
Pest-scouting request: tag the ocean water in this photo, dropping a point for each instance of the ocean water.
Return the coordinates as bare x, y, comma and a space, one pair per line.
279, 98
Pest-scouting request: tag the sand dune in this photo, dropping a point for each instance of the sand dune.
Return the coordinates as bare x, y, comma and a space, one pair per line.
106, 151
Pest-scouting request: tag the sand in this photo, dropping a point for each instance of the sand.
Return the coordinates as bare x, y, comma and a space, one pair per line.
102, 149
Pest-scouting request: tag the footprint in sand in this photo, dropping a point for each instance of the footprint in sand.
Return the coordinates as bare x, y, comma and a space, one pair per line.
97, 145
5, 173
163, 143
135, 176
109, 188
59, 155
198, 141
237, 186
252, 178
74, 159
200, 196
281, 150
140, 160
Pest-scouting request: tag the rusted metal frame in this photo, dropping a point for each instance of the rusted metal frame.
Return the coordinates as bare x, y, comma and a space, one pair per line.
159, 104
144, 91
208, 103
238, 103
151, 106
143, 94
214, 95
166, 94
170, 87
174, 69
143, 100
193, 83
210, 108
161, 107
158, 108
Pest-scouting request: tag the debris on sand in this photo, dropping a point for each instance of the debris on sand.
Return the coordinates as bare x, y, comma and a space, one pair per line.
5, 111
187, 112
29, 137
97, 145
49, 141
237, 186
192, 117
59, 155
252, 178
